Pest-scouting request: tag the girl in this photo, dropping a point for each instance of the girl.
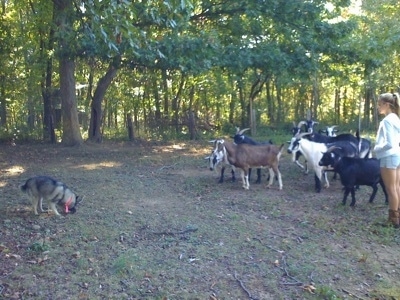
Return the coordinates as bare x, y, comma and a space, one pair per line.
387, 150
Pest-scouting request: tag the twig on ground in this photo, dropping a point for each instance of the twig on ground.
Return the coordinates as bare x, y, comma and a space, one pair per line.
167, 167
352, 295
176, 232
269, 247
244, 287
296, 282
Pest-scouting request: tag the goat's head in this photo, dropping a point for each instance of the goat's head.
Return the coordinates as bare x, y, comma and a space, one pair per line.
294, 143
330, 130
217, 154
239, 137
330, 158
297, 128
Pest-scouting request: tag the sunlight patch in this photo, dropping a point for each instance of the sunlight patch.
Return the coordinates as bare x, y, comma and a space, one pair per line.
15, 170
108, 164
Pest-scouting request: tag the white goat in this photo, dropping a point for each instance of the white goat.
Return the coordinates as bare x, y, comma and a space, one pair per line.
245, 156
312, 151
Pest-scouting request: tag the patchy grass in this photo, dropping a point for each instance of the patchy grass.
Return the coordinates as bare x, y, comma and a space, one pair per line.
156, 225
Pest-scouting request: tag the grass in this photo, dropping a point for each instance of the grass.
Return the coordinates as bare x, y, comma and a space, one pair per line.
155, 225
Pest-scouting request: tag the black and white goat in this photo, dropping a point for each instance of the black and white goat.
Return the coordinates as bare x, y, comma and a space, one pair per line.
297, 129
244, 157
354, 172
329, 130
240, 138
364, 145
219, 157
312, 151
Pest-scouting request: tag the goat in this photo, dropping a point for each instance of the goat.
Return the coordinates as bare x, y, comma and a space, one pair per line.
329, 130
312, 151
296, 155
354, 171
245, 156
240, 138
219, 156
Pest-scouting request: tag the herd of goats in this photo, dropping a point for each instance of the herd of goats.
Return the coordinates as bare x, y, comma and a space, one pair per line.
345, 154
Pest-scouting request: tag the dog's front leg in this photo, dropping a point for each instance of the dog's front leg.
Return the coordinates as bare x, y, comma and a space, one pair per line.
53, 208
40, 205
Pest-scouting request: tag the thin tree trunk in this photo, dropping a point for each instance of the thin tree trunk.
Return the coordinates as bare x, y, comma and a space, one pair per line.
96, 116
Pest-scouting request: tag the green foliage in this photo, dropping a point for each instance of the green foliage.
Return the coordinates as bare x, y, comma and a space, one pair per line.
203, 55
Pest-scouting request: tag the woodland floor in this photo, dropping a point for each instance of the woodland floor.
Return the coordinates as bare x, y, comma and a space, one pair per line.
155, 224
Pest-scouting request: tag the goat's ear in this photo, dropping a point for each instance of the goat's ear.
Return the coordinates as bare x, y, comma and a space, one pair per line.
207, 157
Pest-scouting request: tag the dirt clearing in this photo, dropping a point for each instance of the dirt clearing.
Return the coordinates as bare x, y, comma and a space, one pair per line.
155, 224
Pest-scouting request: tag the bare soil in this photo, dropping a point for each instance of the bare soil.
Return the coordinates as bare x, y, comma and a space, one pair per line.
155, 224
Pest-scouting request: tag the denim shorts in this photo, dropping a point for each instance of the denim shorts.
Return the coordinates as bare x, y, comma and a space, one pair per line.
390, 162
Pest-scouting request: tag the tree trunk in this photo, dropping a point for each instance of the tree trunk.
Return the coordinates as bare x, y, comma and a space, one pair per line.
64, 15
96, 116
3, 106
71, 134
129, 124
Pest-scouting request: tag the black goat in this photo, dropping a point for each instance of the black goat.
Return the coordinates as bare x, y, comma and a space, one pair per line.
240, 138
354, 172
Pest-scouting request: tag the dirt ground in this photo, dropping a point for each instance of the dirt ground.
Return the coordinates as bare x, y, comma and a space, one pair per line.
155, 224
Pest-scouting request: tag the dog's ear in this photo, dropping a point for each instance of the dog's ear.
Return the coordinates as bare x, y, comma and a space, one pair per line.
72, 210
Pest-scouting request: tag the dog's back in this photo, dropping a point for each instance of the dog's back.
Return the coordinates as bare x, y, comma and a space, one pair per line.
44, 187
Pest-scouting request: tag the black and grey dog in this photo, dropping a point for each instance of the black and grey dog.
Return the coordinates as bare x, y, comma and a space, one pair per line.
45, 188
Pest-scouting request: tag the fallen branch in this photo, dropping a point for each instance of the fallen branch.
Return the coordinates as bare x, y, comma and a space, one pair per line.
176, 232
351, 294
244, 287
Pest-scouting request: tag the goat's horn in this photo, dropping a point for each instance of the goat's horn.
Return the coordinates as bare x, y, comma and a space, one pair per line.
212, 141
294, 124
237, 130
243, 130
300, 135
301, 123
331, 148
334, 126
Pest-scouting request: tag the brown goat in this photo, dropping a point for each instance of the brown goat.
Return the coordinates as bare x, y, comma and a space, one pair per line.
244, 157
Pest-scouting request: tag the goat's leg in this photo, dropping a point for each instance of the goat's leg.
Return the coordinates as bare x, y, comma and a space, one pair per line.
295, 158
317, 179
325, 174
374, 190
233, 174
245, 179
258, 176
353, 197
346, 193
271, 177
274, 171
221, 178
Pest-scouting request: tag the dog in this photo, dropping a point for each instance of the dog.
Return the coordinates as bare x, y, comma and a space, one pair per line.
46, 188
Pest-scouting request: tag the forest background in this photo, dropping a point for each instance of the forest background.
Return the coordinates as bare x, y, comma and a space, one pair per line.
72, 71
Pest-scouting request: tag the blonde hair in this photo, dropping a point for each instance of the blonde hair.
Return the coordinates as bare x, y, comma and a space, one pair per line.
392, 99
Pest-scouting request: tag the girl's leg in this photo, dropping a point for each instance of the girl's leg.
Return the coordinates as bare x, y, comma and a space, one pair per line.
389, 177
